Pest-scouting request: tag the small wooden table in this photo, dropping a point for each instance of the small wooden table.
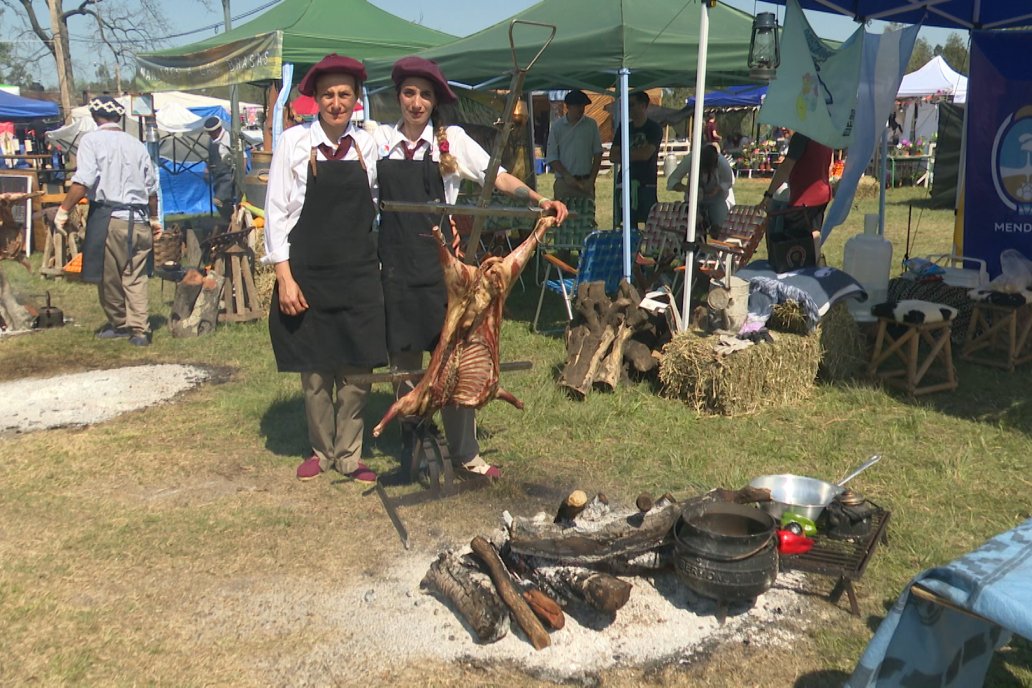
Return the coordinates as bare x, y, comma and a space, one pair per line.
844, 559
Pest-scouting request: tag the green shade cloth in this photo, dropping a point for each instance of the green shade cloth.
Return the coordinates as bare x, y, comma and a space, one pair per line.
657, 40
297, 31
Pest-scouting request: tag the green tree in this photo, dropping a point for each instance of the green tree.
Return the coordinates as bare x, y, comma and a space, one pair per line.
920, 56
955, 52
12, 69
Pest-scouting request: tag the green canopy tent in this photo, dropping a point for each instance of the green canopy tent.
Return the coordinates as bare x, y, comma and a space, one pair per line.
595, 39
604, 43
298, 32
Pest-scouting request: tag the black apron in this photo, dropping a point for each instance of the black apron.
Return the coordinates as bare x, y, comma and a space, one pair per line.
413, 280
220, 173
333, 260
96, 236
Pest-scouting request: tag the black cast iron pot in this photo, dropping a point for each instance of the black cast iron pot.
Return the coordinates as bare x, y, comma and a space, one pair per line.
723, 531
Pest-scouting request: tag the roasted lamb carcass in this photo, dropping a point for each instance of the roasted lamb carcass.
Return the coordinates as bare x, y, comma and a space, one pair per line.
12, 233
464, 367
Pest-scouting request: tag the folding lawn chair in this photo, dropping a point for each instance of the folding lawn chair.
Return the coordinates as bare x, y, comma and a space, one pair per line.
662, 244
601, 260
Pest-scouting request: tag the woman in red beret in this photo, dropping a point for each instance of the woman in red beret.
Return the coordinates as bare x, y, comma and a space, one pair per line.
327, 315
420, 160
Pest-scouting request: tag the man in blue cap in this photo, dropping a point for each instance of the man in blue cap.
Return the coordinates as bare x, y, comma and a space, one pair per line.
116, 173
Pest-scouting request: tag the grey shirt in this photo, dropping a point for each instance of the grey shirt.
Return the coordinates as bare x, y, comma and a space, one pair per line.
115, 168
574, 145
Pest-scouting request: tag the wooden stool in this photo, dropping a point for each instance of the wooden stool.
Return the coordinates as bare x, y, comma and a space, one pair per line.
998, 335
917, 361
240, 297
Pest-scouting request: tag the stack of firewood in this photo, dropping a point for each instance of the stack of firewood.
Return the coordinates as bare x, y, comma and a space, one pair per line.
609, 339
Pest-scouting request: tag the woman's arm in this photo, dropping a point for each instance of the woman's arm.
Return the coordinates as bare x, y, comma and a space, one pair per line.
514, 186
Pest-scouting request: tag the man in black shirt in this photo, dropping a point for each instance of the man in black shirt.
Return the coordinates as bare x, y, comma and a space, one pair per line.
645, 137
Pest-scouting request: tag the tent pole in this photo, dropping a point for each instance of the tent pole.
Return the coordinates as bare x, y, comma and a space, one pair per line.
696, 153
625, 169
884, 174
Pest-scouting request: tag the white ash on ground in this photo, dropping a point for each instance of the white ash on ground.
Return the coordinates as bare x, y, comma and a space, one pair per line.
95, 396
359, 626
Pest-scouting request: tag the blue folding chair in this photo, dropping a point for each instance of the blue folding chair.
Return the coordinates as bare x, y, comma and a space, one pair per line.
601, 260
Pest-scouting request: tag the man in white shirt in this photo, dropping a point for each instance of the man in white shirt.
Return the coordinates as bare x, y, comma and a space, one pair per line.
327, 316
116, 173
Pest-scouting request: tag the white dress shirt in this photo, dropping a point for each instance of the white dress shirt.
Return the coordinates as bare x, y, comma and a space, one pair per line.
471, 158
288, 179
116, 168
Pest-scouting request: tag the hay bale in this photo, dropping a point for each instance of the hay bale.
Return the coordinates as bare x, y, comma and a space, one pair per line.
844, 352
264, 274
788, 317
866, 188
761, 376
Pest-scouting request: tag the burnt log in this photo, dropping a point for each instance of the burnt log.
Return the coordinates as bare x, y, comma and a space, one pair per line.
615, 537
195, 307
546, 609
621, 536
525, 618
477, 603
601, 591
596, 337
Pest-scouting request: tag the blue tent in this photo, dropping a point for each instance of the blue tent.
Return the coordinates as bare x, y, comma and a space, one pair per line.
14, 107
746, 96
954, 14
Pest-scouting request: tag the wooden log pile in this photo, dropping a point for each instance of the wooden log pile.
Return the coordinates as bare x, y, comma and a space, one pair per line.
543, 568
610, 339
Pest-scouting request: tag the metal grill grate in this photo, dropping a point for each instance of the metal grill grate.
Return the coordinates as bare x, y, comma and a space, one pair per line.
845, 558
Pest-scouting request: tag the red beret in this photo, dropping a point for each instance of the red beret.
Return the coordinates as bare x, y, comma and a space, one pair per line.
332, 64
424, 69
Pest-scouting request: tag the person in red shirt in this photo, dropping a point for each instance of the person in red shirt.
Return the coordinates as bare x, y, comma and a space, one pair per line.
806, 169
710, 130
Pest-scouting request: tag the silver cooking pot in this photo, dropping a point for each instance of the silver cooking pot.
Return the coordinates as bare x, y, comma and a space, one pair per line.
801, 495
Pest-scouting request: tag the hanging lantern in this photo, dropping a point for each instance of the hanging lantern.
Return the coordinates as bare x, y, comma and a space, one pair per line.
764, 50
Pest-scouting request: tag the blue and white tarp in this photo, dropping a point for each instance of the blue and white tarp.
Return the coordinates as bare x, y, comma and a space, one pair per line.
922, 643
885, 58
998, 173
816, 86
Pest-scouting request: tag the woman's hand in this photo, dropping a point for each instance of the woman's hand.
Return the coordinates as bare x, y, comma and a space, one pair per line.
291, 300
558, 208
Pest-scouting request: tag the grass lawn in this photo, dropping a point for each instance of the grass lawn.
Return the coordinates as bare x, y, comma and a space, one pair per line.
121, 544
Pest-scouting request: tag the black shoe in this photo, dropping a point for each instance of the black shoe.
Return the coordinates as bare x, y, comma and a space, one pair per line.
139, 340
110, 332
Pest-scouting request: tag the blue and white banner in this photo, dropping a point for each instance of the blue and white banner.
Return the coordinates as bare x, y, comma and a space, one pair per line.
815, 89
885, 59
998, 174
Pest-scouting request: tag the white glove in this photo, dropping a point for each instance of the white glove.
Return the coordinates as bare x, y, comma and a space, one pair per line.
155, 225
61, 220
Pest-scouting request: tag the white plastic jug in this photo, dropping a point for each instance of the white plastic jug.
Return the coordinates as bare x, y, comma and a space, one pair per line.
868, 258
669, 164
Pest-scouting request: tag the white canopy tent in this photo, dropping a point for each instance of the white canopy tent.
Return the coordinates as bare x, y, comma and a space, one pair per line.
936, 77
181, 133
165, 99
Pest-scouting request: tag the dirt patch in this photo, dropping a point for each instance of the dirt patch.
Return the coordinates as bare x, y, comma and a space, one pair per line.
80, 399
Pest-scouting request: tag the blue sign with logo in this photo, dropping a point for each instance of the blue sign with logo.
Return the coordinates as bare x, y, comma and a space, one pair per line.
998, 175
